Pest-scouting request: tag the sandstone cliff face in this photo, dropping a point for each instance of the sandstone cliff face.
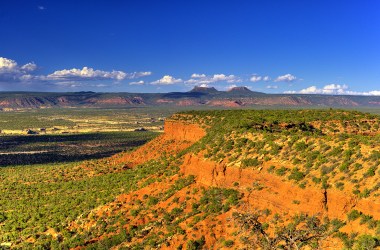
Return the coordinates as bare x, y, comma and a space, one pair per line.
182, 131
177, 137
270, 191
261, 189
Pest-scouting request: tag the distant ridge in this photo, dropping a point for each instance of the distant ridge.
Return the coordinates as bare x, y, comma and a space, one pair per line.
199, 96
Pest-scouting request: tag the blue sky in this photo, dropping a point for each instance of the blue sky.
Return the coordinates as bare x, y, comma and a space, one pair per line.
328, 47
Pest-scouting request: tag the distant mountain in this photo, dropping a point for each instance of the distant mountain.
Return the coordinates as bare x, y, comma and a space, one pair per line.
198, 96
240, 89
204, 89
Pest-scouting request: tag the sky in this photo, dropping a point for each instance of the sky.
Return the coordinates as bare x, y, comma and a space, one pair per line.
271, 46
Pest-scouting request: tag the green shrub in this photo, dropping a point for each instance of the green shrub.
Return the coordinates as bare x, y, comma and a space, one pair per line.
353, 215
296, 175
366, 242
228, 243
196, 244
370, 172
152, 201
250, 162
281, 171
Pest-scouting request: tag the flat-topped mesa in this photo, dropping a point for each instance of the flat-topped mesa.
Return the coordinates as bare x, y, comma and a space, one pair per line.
178, 135
183, 131
240, 89
204, 89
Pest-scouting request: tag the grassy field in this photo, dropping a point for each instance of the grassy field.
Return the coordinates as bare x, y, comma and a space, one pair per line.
50, 178
39, 149
79, 120
37, 203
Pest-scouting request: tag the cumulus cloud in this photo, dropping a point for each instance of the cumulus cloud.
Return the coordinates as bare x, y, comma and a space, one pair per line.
286, 78
231, 86
87, 74
197, 79
369, 93
204, 85
137, 83
330, 89
166, 80
311, 90
29, 67
333, 89
198, 75
138, 74
7, 65
256, 78
10, 71
266, 78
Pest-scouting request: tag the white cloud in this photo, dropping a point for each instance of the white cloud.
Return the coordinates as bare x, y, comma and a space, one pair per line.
166, 80
138, 74
311, 90
333, 89
286, 78
7, 65
256, 78
231, 86
272, 87
29, 67
10, 71
204, 85
87, 74
330, 89
266, 78
369, 93
26, 77
290, 92
137, 83
198, 75
41, 7
197, 79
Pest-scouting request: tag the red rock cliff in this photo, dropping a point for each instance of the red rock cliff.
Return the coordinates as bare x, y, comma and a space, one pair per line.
270, 191
177, 136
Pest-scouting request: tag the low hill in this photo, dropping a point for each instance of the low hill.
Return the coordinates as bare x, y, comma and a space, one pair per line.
243, 179
199, 96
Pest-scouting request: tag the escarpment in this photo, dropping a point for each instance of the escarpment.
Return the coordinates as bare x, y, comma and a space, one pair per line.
262, 188
267, 191
211, 173
177, 136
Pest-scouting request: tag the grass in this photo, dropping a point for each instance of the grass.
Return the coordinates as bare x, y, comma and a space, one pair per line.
39, 149
37, 198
